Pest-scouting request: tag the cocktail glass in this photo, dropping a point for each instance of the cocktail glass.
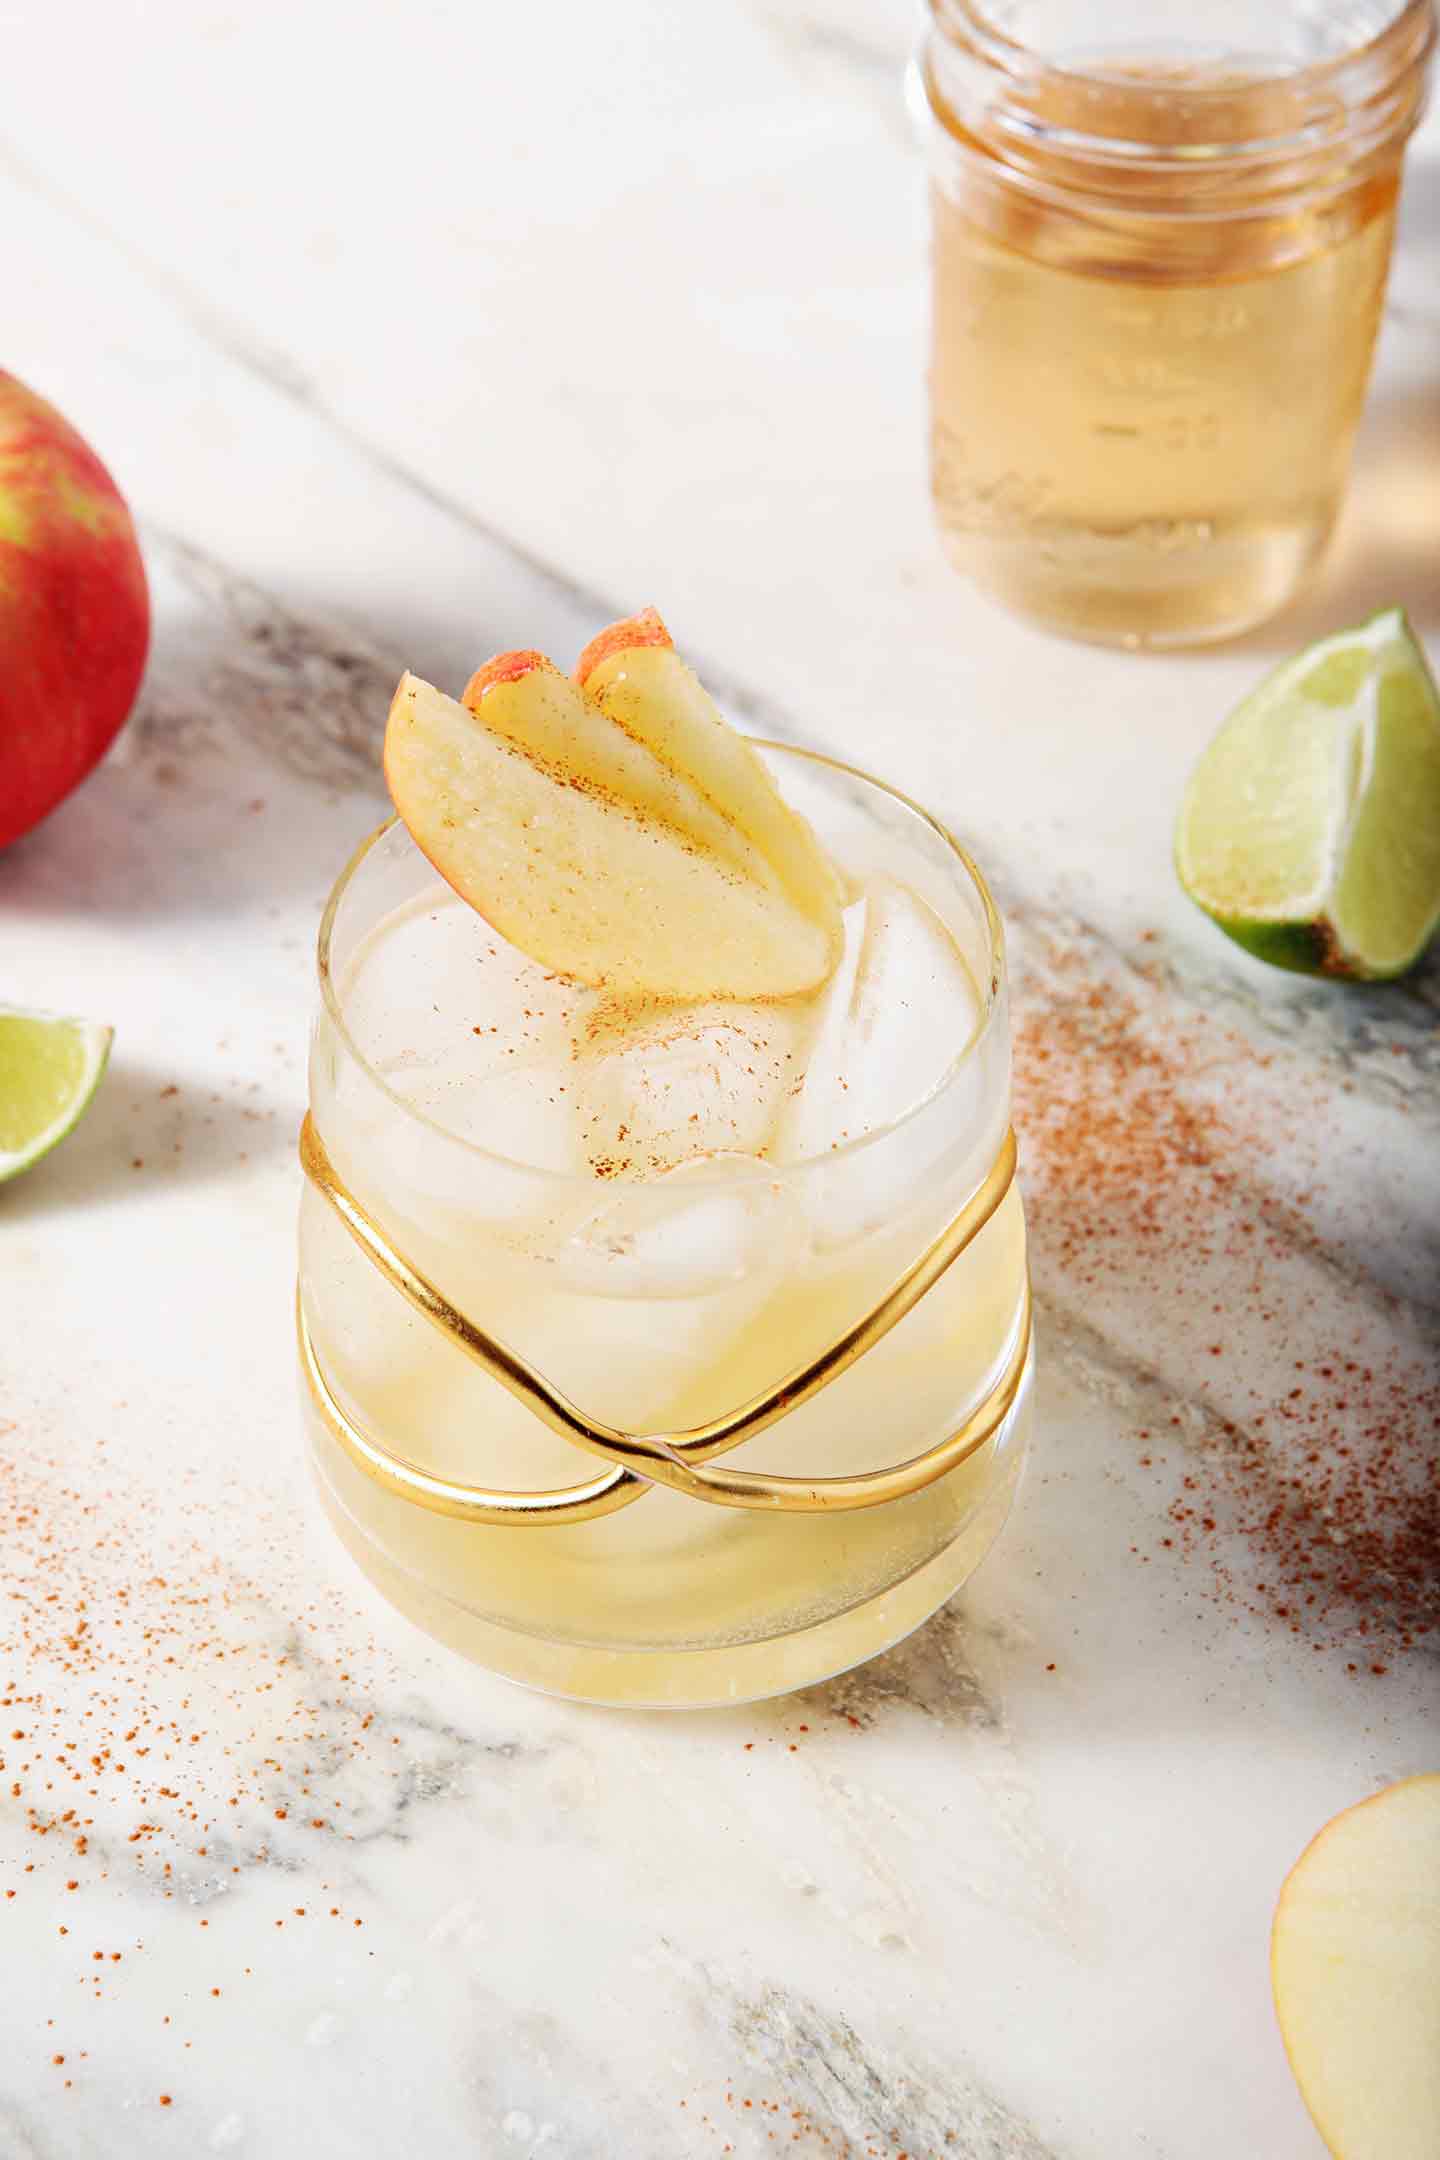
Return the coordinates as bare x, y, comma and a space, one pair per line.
689, 1435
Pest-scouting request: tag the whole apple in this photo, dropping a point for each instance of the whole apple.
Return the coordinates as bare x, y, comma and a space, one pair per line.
74, 609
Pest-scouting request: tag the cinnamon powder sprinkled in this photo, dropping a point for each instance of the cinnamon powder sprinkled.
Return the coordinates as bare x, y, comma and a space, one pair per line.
1300, 1443
791, 2128
161, 1717
733, 1055
155, 1706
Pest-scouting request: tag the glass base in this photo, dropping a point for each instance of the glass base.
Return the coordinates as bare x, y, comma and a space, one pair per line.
1122, 593
704, 1676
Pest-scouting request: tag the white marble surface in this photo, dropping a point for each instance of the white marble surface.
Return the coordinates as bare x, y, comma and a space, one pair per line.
417, 331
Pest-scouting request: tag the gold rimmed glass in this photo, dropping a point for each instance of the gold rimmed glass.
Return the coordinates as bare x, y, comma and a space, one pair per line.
807, 1384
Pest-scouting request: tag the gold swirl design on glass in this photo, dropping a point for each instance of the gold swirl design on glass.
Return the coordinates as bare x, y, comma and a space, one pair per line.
679, 1459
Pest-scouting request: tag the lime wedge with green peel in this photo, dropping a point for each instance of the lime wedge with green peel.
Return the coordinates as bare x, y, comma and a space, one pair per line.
49, 1070
1310, 830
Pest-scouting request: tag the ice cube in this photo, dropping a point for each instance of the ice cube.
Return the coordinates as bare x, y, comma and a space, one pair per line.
897, 1012
474, 1037
523, 1112
433, 994
659, 1085
695, 1230
658, 1300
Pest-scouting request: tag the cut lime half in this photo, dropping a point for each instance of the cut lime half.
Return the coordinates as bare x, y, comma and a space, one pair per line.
1310, 829
49, 1070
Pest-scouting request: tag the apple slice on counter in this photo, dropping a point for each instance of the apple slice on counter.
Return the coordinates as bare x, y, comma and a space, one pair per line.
1355, 1964
634, 673
589, 852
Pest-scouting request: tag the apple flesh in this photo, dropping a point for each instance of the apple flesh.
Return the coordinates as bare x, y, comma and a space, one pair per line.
524, 698
1355, 1965
74, 609
588, 853
635, 675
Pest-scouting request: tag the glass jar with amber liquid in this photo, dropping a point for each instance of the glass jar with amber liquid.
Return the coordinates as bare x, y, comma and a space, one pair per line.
1161, 243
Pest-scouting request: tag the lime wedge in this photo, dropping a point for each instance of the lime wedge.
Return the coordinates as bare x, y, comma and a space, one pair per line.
49, 1069
1310, 829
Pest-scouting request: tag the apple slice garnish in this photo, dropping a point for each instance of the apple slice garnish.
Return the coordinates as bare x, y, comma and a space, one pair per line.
524, 698
635, 674
588, 852
1355, 1965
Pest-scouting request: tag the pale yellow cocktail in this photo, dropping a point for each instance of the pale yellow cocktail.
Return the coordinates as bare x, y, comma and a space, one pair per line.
664, 1207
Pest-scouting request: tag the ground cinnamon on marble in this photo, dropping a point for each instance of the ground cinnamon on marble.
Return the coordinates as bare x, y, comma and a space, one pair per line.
163, 1716
1148, 1135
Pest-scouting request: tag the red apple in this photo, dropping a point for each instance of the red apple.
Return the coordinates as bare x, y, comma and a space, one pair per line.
74, 609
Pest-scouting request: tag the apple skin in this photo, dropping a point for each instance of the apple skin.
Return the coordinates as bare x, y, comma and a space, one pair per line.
505, 667
74, 609
635, 631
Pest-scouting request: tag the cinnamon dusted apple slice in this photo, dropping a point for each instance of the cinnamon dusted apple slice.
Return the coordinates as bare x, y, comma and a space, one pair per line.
634, 672
585, 850
524, 698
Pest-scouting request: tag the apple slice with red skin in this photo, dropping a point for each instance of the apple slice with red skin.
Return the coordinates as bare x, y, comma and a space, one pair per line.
586, 851
524, 698
631, 634
1355, 1965
634, 673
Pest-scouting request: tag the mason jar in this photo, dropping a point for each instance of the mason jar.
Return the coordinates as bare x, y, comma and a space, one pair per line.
1161, 241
